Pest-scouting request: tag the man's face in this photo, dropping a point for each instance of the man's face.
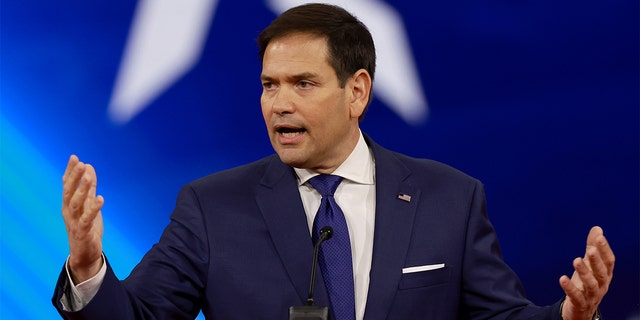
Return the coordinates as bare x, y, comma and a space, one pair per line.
310, 119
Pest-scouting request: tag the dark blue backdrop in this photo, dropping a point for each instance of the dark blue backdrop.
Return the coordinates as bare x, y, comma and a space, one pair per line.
538, 99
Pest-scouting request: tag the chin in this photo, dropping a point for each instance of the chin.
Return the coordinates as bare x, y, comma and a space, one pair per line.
292, 162
290, 159
289, 155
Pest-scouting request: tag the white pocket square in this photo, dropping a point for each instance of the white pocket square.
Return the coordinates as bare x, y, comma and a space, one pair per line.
423, 268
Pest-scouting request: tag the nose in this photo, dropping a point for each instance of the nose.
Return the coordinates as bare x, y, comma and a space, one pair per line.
282, 102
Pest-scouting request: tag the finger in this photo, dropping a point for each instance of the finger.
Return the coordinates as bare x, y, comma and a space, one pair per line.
589, 281
98, 203
598, 268
71, 182
80, 196
572, 292
92, 203
575, 279
92, 179
94, 209
606, 254
593, 236
73, 160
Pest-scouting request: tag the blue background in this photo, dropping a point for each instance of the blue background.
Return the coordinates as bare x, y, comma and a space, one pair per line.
538, 99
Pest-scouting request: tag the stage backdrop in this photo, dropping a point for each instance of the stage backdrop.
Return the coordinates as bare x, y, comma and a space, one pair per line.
538, 99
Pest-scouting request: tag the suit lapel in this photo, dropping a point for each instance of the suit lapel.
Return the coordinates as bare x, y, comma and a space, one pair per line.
283, 212
393, 229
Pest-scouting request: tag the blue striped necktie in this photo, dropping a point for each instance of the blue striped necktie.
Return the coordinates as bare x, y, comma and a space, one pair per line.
334, 255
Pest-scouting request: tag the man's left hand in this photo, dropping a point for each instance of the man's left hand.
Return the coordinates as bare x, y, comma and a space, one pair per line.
590, 280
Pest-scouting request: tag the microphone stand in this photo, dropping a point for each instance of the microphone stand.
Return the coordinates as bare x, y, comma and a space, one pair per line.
310, 311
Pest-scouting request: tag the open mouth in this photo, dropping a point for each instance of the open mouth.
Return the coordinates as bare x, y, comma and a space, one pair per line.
290, 132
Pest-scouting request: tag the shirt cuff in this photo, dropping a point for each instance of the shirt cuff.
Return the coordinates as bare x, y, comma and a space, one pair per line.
81, 294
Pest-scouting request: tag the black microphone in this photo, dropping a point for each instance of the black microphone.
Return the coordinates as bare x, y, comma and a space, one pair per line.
309, 311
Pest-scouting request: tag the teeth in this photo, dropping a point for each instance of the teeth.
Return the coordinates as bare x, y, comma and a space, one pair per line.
290, 134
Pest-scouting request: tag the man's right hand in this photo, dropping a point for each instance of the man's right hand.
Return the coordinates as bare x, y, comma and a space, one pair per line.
83, 219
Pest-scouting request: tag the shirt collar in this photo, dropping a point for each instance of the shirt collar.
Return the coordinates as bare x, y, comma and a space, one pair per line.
358, 167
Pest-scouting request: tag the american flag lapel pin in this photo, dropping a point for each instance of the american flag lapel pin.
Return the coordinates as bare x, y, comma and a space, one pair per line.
404, 197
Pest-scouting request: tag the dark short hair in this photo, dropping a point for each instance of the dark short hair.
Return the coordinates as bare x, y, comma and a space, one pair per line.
350, 44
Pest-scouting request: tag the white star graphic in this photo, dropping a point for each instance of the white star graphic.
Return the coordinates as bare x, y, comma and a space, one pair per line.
167, 38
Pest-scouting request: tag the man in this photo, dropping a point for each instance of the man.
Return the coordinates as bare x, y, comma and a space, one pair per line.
419, 244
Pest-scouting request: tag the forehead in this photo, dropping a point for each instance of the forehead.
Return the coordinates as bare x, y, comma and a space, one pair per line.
294, 52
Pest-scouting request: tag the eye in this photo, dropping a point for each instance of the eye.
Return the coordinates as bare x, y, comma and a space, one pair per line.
305, 84
268, 86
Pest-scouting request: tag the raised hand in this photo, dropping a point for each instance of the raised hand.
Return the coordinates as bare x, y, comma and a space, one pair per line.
590, 280
83, 219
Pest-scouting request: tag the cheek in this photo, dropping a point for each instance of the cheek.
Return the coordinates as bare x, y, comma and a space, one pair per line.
265, 110
330, 123
338, 114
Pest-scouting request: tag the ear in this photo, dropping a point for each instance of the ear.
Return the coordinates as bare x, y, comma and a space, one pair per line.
359, 86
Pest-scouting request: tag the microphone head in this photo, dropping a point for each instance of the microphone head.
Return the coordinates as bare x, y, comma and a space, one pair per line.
327, 231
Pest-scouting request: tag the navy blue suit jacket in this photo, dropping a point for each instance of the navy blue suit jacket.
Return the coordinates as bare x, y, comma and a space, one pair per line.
238, 247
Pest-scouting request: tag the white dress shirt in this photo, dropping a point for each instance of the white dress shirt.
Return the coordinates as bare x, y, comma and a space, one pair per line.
356, 196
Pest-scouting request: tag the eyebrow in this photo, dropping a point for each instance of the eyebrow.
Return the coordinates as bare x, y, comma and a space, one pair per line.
294, 78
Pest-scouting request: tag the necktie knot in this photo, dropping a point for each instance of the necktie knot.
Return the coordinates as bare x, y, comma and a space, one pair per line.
326, 184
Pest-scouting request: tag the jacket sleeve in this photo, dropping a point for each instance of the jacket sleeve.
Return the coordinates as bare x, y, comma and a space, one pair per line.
491, 290
169, 281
